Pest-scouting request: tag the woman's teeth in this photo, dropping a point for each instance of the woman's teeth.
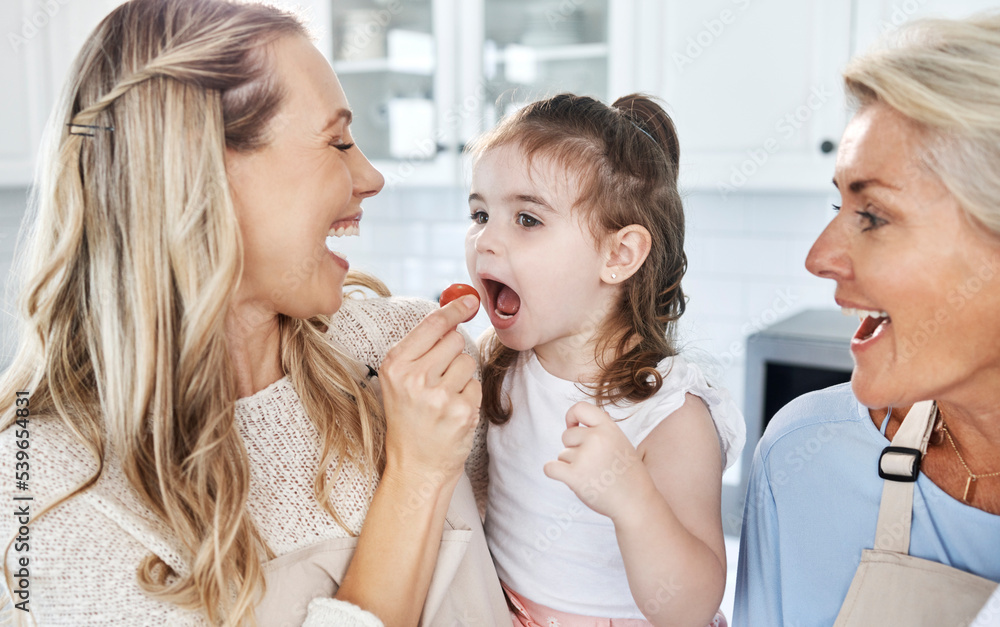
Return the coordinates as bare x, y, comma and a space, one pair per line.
863, 313
344, 231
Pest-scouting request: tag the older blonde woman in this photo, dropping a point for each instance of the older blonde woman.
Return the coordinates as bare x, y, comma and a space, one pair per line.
879, 503
197, 441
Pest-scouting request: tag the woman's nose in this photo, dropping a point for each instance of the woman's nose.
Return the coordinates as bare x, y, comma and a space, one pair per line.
367, 180
828, 258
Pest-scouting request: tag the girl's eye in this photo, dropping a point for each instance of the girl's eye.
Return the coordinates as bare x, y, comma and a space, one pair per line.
835, 207
527, 221
479, 217
343, 147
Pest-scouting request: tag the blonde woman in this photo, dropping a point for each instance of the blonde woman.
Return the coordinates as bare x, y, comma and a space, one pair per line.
198, 441
878, 503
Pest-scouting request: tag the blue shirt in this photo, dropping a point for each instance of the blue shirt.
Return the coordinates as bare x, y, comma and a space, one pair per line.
812, 505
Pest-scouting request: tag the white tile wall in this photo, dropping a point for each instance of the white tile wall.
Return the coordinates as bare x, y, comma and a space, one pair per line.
745, 253
746, 262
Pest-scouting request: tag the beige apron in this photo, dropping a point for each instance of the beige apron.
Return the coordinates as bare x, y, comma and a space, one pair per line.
464, 588
890, 587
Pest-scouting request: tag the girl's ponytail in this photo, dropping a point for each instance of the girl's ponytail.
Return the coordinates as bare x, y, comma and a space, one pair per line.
651, 119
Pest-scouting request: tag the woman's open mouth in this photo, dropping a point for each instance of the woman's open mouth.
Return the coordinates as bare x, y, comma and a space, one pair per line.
503, 303
344, 228
873, 324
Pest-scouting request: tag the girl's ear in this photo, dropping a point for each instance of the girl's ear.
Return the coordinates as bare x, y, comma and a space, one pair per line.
626, 251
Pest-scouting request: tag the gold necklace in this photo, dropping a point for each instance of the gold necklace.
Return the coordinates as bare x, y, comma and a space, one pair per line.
970, 483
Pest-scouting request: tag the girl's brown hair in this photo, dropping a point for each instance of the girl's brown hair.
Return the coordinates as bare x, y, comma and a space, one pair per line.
627, 155
135, 257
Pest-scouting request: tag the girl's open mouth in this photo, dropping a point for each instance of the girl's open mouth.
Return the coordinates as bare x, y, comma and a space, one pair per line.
503, 303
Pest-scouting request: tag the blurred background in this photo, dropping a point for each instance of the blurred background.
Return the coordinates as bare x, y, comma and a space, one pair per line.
753, 86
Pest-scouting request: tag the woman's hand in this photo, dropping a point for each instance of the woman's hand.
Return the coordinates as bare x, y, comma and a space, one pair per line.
599, 463
431, 411
431, 398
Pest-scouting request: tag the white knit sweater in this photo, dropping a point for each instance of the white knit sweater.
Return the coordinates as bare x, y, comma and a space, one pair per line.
84, 554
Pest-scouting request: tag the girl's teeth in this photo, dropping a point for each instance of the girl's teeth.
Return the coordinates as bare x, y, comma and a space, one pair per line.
344, 231
863, 313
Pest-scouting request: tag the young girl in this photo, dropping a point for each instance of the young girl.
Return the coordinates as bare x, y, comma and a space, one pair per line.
605, 448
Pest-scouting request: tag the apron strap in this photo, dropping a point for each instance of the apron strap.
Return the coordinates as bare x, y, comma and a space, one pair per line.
899, 466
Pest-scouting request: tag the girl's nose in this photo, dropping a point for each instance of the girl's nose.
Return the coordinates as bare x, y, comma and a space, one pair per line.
487, 240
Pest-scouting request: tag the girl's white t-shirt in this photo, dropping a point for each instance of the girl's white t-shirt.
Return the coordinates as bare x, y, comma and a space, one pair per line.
548, 546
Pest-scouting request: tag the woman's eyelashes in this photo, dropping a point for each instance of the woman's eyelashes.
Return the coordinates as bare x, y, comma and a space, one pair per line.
342, 146
869, 220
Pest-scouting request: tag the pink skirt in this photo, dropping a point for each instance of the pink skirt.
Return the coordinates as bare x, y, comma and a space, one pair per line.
527, 613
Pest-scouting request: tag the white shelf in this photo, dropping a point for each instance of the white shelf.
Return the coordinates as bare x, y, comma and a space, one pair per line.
572, 52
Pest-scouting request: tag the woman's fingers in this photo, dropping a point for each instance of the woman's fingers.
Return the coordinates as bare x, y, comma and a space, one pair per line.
459, 372
431, 396
425, 335
436, 362
426, 369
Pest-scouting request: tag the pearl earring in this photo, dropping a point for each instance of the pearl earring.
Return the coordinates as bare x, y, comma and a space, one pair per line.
614, 276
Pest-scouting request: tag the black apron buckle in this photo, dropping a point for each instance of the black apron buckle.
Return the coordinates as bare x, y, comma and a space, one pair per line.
899, 463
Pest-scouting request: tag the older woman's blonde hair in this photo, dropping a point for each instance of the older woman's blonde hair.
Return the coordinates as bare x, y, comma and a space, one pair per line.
945, 75
135, 255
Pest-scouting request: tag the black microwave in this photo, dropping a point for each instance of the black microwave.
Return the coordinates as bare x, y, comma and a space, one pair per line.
808, 351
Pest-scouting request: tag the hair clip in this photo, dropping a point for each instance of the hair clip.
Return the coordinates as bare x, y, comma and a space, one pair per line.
644, 132
91, 127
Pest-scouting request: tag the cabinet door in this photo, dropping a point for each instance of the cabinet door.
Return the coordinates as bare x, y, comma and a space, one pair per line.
518, 51
21, 74
395, 60
535, 50
755, 91
875, 17
42, 41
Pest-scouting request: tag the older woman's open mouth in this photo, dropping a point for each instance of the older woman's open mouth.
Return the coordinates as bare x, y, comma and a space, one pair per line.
873, 323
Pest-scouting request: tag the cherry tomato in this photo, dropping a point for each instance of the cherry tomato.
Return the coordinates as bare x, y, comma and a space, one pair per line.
458, 290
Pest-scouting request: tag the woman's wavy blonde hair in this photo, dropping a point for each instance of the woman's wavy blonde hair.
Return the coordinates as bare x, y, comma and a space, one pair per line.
135, 255
944, 75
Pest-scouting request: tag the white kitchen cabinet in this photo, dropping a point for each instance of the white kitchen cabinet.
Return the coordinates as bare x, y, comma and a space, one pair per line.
21, 73
753, 85
427, 76
42, 39
875, 17
395, 59
754, 89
